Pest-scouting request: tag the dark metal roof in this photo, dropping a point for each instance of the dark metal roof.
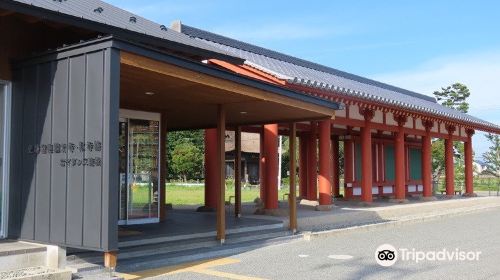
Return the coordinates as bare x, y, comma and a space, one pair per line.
298, 71
103, 17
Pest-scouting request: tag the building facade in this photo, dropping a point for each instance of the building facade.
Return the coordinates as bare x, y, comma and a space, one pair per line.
88, 93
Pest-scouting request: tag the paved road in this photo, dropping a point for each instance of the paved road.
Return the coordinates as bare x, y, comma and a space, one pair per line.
352, 256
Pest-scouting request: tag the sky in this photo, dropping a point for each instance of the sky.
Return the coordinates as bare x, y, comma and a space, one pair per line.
418, 45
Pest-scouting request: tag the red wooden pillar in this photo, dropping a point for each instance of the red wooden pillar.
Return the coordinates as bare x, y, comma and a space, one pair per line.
399, 161
427, 159
303, 167
312, 164
335, 166
271, 173
211, 172
348, 166
325, 163
469, 184
449, 164
262, 167
366, 155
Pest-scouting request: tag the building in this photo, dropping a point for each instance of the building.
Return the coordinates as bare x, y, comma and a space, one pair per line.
89, 93
386, 130
250, 149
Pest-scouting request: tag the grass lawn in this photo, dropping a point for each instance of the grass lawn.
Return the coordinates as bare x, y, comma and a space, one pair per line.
189, 195
192, 195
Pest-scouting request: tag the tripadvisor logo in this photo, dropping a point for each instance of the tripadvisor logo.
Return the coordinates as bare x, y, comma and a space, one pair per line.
388, 255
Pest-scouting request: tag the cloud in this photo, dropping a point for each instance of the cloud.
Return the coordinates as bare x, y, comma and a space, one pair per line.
479, 71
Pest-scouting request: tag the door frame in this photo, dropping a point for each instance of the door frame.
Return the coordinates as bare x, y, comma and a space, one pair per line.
7, 91
150, 116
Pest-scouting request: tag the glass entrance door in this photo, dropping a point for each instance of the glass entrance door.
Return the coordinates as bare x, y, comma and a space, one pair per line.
139, 167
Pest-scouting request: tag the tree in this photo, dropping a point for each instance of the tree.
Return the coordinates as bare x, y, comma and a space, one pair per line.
175, 138
455, 97
492, 156
187, 161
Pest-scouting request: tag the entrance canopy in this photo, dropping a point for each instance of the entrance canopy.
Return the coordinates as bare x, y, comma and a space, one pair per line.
188, 93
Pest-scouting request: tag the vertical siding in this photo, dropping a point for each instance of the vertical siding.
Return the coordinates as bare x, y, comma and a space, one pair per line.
76, 133
59, 175
42, 162
72, 100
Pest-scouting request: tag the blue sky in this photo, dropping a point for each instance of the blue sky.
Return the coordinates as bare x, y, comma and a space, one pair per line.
418, 45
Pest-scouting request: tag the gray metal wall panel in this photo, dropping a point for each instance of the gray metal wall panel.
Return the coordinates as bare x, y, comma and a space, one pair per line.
93, 132
28, 160
67, 196
110, 180
59, 175
16, 179
76, 133
43, 135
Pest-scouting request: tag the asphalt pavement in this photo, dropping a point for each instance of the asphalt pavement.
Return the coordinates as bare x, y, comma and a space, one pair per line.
458, 247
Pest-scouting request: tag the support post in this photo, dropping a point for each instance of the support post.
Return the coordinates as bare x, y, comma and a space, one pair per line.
237, 172
110, 259
399, 161
449, 162
221, 201
325, 163
211, 171
163, 167
312, 164
292, 197
469, 172
303, 167
271, 174
335, 166
366, 154
262, 167
427, 160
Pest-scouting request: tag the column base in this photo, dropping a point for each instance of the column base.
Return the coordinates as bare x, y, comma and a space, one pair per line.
428, 198
470, 195
328, 207
449, 196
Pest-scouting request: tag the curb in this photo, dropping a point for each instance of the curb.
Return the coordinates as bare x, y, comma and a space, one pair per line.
308, 235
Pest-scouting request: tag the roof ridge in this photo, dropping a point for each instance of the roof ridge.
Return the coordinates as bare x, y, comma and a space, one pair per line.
224, 40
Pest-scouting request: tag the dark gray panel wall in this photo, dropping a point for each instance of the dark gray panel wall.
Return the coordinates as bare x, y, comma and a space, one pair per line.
64, 156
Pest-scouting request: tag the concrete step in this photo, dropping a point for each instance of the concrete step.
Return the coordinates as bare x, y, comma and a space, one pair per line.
36, 273
92, 262
81, 266
17, 255
162, 239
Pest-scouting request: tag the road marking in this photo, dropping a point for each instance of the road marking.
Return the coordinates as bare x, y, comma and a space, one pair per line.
201, 267
340, 257
226, 275
303, 256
